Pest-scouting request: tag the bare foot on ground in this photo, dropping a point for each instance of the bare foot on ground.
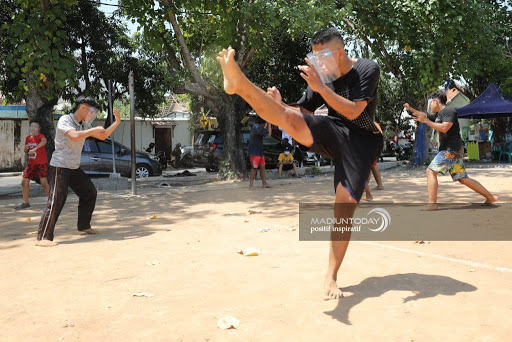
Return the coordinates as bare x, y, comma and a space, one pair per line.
46, 243
90, 231
432, 207
331, 289
491, 200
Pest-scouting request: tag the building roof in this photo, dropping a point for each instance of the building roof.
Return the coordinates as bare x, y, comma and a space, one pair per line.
14, 112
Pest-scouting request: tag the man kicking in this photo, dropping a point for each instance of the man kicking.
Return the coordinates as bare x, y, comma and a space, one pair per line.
347, 135
71, 132
451, 149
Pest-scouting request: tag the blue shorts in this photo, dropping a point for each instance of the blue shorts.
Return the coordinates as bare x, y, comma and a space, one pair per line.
449, 161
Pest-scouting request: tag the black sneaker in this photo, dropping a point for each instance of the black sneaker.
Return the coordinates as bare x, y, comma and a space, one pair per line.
22, 206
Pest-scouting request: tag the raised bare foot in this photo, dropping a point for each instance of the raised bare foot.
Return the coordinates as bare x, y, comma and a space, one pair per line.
46, 243
491, 200
90, 231
331, 289
379, 187
230, 70
432, 207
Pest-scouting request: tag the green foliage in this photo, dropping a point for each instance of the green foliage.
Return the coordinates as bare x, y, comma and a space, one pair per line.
279, 68
252, 27
315, 170
35, 49
427, 42
50, 49
390, 105
226, 171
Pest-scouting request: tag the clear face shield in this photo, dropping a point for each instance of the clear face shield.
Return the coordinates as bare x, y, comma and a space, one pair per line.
91, 115
325, 65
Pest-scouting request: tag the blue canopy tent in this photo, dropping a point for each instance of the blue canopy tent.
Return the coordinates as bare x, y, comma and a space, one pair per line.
490, 104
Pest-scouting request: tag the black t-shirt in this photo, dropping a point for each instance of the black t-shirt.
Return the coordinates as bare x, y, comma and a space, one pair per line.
451, 139
359, 84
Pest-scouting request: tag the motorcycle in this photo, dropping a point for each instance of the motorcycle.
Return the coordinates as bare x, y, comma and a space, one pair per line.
160, 155
162, 159
402, 152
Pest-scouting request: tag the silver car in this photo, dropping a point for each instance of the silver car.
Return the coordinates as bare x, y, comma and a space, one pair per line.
97, 160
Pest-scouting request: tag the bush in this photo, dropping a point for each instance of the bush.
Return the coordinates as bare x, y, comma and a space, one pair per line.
225, 170
315, 170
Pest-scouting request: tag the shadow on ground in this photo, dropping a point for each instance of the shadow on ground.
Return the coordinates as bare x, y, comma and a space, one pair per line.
422, 285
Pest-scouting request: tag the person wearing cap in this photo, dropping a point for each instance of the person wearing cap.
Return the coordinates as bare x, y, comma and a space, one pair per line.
65, 171
286, 158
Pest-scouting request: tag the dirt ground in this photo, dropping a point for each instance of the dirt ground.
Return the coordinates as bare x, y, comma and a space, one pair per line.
82, 290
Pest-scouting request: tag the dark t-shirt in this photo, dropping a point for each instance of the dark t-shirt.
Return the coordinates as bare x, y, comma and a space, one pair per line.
451, 139
256, 140
359, 84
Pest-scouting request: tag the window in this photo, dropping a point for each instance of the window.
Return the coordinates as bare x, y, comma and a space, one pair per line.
92, 145
106, 147
245, 137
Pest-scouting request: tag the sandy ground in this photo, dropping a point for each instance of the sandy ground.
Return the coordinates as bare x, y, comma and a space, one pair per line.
394, 291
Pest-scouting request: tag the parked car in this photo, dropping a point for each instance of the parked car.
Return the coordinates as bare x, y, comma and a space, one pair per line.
97, 160
272, 148
310, 158
187, 149
203, 143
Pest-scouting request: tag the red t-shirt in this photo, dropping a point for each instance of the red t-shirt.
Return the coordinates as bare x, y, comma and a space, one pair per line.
40, 156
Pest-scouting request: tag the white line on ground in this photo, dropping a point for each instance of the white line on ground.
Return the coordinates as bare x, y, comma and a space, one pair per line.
461, 261
405, 250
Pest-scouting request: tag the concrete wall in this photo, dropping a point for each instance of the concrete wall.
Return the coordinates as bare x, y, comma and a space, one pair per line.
181, 133
144, 133
12, 139
457, 102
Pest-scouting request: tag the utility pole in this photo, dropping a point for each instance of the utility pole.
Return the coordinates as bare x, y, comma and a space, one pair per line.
132, 130
110, 111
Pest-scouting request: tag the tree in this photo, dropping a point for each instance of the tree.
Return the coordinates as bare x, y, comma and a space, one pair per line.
191, 32
390, 105
424, 43
48, 47
37, 61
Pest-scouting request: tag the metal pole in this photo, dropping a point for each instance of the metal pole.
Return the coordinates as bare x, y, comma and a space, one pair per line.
132, 130
110, 111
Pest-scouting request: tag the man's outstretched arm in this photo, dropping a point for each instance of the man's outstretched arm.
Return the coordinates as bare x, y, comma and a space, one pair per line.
96, 132
423, 118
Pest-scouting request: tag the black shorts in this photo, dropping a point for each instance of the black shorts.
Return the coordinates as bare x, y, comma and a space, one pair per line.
352, 149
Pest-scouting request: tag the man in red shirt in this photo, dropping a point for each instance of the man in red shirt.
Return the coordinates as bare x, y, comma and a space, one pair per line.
37, 164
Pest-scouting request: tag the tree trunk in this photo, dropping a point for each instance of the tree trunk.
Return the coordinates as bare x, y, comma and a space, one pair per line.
41, 110
229, 123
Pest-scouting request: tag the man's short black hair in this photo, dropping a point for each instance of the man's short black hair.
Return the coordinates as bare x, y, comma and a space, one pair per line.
439, 95
85, 100
325, 35
34, 121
